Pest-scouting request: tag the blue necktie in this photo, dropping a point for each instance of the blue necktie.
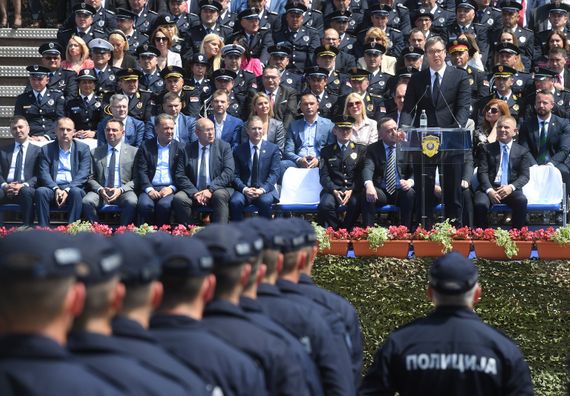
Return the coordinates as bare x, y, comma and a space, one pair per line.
505, 166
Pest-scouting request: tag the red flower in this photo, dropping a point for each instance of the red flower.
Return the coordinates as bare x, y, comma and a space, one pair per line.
398, 232
359, 234
340, 234
544, 234
524, 234
480, 234
421, 234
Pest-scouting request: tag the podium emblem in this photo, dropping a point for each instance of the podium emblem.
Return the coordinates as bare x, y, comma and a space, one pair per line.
430, 145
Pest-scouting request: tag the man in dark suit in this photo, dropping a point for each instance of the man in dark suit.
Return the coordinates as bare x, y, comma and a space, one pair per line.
282, 98
257, 164
18, 170
64, 170
503, 171
445, 95
546, 136
204, 175
155, 168
228, 128
387, 175
112, 173
184, 125
135, 132
340, 175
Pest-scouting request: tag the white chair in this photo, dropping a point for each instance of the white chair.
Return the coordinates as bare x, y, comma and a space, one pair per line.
300, 190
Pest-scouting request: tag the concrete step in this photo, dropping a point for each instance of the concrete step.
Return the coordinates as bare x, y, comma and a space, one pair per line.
26, 36
5, 133
6, 111
9, 93
13, 75
19, 56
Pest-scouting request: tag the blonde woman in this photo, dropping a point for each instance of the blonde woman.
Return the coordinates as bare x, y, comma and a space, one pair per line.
77, 55
377, 35
121, 58
364, 130
162, 40
211, 46
273, 130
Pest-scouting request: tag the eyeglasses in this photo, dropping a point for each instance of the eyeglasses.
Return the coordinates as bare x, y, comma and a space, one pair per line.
160, 39
354, 104
492, 110
436, 51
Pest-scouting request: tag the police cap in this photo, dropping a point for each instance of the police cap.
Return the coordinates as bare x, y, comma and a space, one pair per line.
542, 73
267, 230
413, 52
183, 256
343, 121
458, 46
507, 47
316, 71
100, 260
100, 45
251, 235
147, 50
452, 274
510, 6
295, 6
172, 71
380, 9
226, 244
280, 49
36, 254
211, 5
503, 71
51, 48
374, 48
140, 264
423, 12
249, 13
561, 8
37, 70
233, 49
129, 74
339, 16
327, 50
224, 74
358, 74
87, 74
469, 4
406, 72
200, 59
84, 8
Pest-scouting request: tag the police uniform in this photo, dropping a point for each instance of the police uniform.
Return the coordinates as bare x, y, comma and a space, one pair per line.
354, 18
198, 93
337, 84
477, 79
561, 98
524, 36
193, 38
441, 17
41, 116
34, 363
107, 80
269, 20
340, 169
399, 18
135, 40
61, 79
144, 21
185, 21
347, 43
378, 83
141, 105
85, 113
64, 35
313, 19
103, 19
228, 19
490, 16
152, 82
291, 77
479, 31
430, 355
226, 320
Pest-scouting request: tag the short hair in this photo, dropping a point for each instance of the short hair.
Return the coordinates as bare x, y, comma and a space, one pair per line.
308, 94
220, 92
544, 92
227, 279
118, 98
60, 119
463, 300
558, 51
136, 296
161, 117
97, 302
170, 96
507, 117
433, 40
14, 120
179, 290
270, 67
384, 120
256, 98
117, 121
269, 257
254, 118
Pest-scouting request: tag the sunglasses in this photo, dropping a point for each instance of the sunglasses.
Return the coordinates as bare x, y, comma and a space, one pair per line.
354, 104
160, 39
493, 110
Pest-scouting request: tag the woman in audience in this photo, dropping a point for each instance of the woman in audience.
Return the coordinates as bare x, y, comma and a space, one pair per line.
377, 35
509, 37
554, 40
487, 132
121, 58
162, 39
364, 130
273, 130
212, 47
248, 63
76, 55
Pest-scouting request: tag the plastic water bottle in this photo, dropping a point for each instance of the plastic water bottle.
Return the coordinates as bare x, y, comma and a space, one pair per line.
423, 119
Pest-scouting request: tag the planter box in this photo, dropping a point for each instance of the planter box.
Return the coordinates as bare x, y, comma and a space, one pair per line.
548, 250
337, 248
490, 250
435, 249
398, 249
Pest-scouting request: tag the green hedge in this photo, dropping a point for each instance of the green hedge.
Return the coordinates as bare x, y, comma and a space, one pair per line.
529, 301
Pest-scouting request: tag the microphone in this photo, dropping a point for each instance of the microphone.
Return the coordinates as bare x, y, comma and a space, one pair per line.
447, 105
414, 109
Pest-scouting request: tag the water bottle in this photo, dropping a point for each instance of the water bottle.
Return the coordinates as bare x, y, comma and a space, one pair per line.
423, 119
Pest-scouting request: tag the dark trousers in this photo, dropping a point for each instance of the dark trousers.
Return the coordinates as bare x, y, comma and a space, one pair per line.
25, 199
238, 202
127, 201
182, 205
154, 212
327, 214
403, 199
45, 196
516, 201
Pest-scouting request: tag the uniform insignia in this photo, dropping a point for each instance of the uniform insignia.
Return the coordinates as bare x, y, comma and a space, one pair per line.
309, 22
430, 145
490, 21
382, 83
351, 23
516, 107
101, 23
135, 44
231, 23
519, 83
97, 104
328, 105
51, 102
349, 46
485, 83
560, 102
61, 83
471, 81
353, 156
382, 109
522, 39
51, 45
194, 99
396, 20
370, 107
235, 106
289, 81
160, 83
306, 39
112, 77
139, 105
441, 20
146, 23
205, 89
336, 81
254, 85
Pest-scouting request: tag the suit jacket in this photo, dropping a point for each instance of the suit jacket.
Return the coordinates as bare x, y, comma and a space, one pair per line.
295, 134
342, 171
375, 164
269, 166
135, 132
231, 131
285, 107
30, 165
221, 167
275, 134
490, 161
98, 176
49, 163
145, 162
186, 129
558, 138
454, 88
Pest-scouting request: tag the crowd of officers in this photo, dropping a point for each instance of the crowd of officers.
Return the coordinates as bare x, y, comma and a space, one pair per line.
286, 51
231, 310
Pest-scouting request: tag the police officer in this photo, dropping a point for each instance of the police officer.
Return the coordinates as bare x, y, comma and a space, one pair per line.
379, 14
268, 20
398, 17
150, 81
225, 79
430, 355
38, 291
141, 104
339, 21
84, 27
459, 53
465, 24
139, 274
101, 51
103, 19
86, 110
199, 88
373, 61
186, 270
41, 106
337, 82
245, 82
126, 23
355, 16
173, 77
249, 30
558, 19
279, 56
360, 81
339, 171
486, 14
184, 19
544, 81
510, 15
316, 78
235, 255
508, 56
303, 40
144, 17
504, 90
60, 79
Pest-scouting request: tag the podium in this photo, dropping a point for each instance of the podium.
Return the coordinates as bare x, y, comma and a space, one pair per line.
432, 147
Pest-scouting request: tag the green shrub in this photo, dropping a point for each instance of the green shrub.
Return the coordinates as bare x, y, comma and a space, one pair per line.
529, 301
